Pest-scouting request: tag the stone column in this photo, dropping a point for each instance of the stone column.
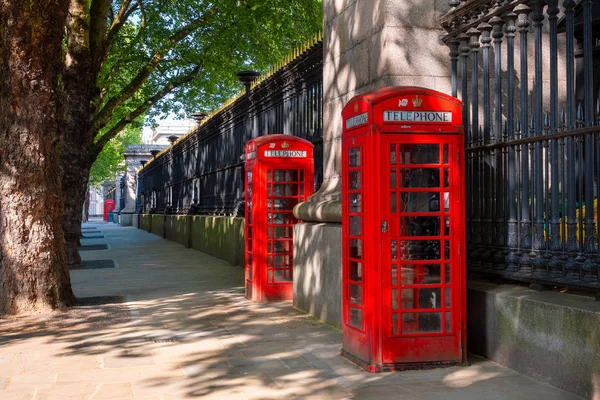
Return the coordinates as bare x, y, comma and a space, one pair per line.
368, 44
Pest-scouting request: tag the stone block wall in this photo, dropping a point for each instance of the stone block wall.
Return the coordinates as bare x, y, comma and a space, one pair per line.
220, 237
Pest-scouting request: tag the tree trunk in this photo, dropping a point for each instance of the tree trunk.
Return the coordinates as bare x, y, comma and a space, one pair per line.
86, 206
79, 84
74, 180
33, 268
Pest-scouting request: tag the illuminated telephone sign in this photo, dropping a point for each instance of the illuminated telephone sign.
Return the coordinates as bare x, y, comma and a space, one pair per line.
403, 230
279, 175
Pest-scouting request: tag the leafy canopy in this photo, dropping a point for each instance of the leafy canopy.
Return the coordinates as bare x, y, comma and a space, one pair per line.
182, 56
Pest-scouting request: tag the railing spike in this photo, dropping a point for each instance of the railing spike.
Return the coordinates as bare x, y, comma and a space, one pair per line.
505, 130
518, 127
580, 115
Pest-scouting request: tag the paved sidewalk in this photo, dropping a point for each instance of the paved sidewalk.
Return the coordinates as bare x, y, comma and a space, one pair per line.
176, 325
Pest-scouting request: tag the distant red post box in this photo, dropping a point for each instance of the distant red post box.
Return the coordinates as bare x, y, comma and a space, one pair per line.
109, 205
279, 175
403, 230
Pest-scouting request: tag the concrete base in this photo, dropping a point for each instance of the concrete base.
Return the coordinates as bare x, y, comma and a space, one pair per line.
318, 270
135, 220
553, 337
126, 219
220, 237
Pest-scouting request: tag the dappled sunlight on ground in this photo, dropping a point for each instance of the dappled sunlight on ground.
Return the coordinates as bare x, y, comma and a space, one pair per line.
183, 329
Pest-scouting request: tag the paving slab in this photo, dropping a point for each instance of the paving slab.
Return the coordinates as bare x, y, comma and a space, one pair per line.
171, 323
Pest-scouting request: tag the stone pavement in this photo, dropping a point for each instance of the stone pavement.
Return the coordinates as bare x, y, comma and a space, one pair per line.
172, 323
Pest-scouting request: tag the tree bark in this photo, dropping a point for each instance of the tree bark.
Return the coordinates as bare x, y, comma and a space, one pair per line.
33, 267
79, 93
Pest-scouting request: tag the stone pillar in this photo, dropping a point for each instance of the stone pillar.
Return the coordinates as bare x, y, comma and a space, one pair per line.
368, 44
133, 155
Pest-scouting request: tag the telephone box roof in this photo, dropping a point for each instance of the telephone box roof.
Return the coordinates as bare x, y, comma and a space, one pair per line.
379, 95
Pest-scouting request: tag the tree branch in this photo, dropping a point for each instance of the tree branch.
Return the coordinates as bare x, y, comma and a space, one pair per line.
103, 116
99, 11
118, 21
141, 109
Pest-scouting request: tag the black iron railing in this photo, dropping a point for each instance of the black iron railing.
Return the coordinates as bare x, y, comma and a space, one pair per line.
203, 172
532, 136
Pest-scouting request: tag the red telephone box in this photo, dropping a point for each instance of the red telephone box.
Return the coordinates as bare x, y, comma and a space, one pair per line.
279, 175
403, 230
109, 205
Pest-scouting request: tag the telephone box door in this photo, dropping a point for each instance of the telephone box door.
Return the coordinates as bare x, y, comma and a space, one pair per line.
421, 198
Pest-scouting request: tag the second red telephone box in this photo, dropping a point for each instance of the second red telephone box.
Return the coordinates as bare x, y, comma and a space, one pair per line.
403, 230
279, 175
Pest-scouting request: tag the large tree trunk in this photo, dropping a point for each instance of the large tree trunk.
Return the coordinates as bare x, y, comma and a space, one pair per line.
79, 82
33, 268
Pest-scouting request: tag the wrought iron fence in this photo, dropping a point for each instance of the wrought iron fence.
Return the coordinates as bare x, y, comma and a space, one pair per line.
203, 172
532, 136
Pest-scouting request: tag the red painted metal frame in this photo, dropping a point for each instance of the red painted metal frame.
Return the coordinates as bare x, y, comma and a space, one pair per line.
368, 336
273, 178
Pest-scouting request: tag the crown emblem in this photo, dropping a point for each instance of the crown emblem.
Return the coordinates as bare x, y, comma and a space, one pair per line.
285, 145
417, 101
355, 107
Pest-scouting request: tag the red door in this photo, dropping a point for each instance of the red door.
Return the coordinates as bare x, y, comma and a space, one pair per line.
420, 212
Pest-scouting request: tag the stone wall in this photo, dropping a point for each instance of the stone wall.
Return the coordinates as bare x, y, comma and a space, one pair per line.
220, 237
553, 337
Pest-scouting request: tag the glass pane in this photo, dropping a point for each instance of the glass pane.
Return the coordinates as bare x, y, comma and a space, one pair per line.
301, 190
420, 202
446, 179
354, 157
280, 232
419, 154
421, 322
447, 226
270, 175
447, 249
249, 190
270, 275
354, 203
419, 177
448, 322
356, 248
354, 180
393, 153
249, 290
249, 176
285, 190
355, 317
420, 226
356, 271
394, 299
394, 274
279, 247
355, 226
283, 275
447, 273
426, 297
446, 202
249, 218
420, 250
249, 245
393, 202
393, 178
447, 298
279, 218
445, 154
394, 248
424, 274
249, 273
282, 261
356, 294
394, 324
285, 176
301, 175
249, 232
